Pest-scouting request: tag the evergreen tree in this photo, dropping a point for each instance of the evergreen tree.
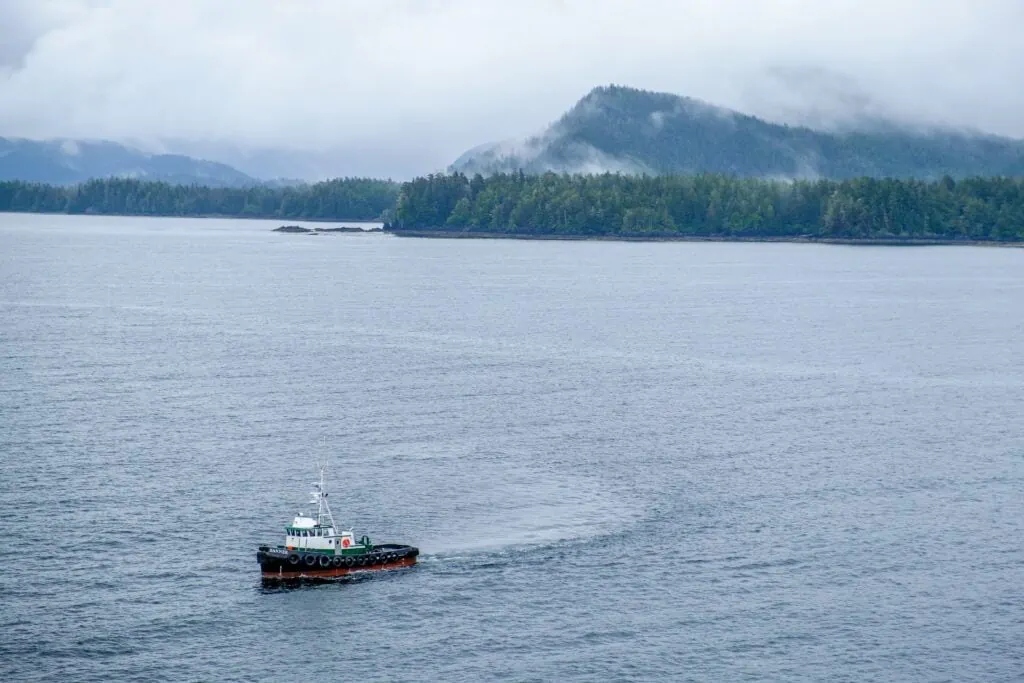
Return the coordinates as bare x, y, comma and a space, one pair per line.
715, 205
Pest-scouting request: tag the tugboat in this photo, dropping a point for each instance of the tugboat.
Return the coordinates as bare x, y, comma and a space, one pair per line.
314, 550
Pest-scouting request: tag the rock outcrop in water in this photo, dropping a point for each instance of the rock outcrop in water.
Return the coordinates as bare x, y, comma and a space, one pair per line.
344, 228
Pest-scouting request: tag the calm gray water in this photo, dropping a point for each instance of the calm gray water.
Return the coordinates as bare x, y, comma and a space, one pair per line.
710, 462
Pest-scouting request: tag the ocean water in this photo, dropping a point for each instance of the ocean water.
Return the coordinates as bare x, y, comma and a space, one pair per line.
671, 461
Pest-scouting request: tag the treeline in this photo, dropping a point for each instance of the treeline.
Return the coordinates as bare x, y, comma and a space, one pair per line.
714, 205
344, 198
582, 205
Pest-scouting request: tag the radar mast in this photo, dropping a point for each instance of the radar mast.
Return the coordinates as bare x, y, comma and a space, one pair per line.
318, 497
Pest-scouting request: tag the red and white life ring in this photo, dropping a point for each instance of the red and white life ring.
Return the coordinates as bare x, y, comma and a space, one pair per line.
345, 542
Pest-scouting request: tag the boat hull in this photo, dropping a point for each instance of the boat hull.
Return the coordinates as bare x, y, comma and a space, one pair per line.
281, 564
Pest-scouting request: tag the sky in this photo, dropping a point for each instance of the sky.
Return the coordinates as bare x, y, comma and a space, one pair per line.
401, 87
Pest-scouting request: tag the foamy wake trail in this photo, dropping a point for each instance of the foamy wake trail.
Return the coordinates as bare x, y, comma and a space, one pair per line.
518, 509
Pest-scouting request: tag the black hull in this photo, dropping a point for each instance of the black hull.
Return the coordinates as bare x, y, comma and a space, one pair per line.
281, 564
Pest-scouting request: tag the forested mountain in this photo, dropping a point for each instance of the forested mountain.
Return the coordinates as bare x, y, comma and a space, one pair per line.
713, 205
341, 199
63, 162
626, 130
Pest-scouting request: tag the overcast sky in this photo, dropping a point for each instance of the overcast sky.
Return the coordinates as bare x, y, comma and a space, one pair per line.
397, 88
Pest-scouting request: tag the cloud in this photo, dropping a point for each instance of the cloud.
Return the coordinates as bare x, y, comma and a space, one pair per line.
22, 23
405, 86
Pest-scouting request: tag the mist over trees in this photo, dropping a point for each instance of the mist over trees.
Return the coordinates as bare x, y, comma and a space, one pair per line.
714, 205
341, 199
617, 128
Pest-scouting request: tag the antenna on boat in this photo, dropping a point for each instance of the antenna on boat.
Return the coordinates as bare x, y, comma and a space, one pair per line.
318, 496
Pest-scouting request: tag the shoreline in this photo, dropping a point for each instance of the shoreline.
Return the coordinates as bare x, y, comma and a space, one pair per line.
867, 241
205, 215
453, 234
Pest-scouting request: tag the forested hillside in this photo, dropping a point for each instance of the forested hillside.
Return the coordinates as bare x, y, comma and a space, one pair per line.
714, 205
344, 198
626, 130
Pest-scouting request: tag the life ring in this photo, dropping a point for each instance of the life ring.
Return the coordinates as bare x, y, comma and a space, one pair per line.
310, 560
325, 561
345, 542
293, 558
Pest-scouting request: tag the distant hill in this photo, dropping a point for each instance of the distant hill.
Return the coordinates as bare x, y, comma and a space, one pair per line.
341, 199
64, 162
635, 131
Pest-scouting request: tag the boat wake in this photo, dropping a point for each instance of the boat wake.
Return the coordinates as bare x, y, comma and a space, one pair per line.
523, 511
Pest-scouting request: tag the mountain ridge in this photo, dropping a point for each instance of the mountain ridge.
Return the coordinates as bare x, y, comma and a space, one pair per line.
68, 161
621, 129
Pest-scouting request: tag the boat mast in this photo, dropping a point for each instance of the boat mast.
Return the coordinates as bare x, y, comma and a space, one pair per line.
319, 497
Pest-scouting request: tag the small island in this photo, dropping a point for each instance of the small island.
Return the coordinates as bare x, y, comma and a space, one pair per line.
317, 231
